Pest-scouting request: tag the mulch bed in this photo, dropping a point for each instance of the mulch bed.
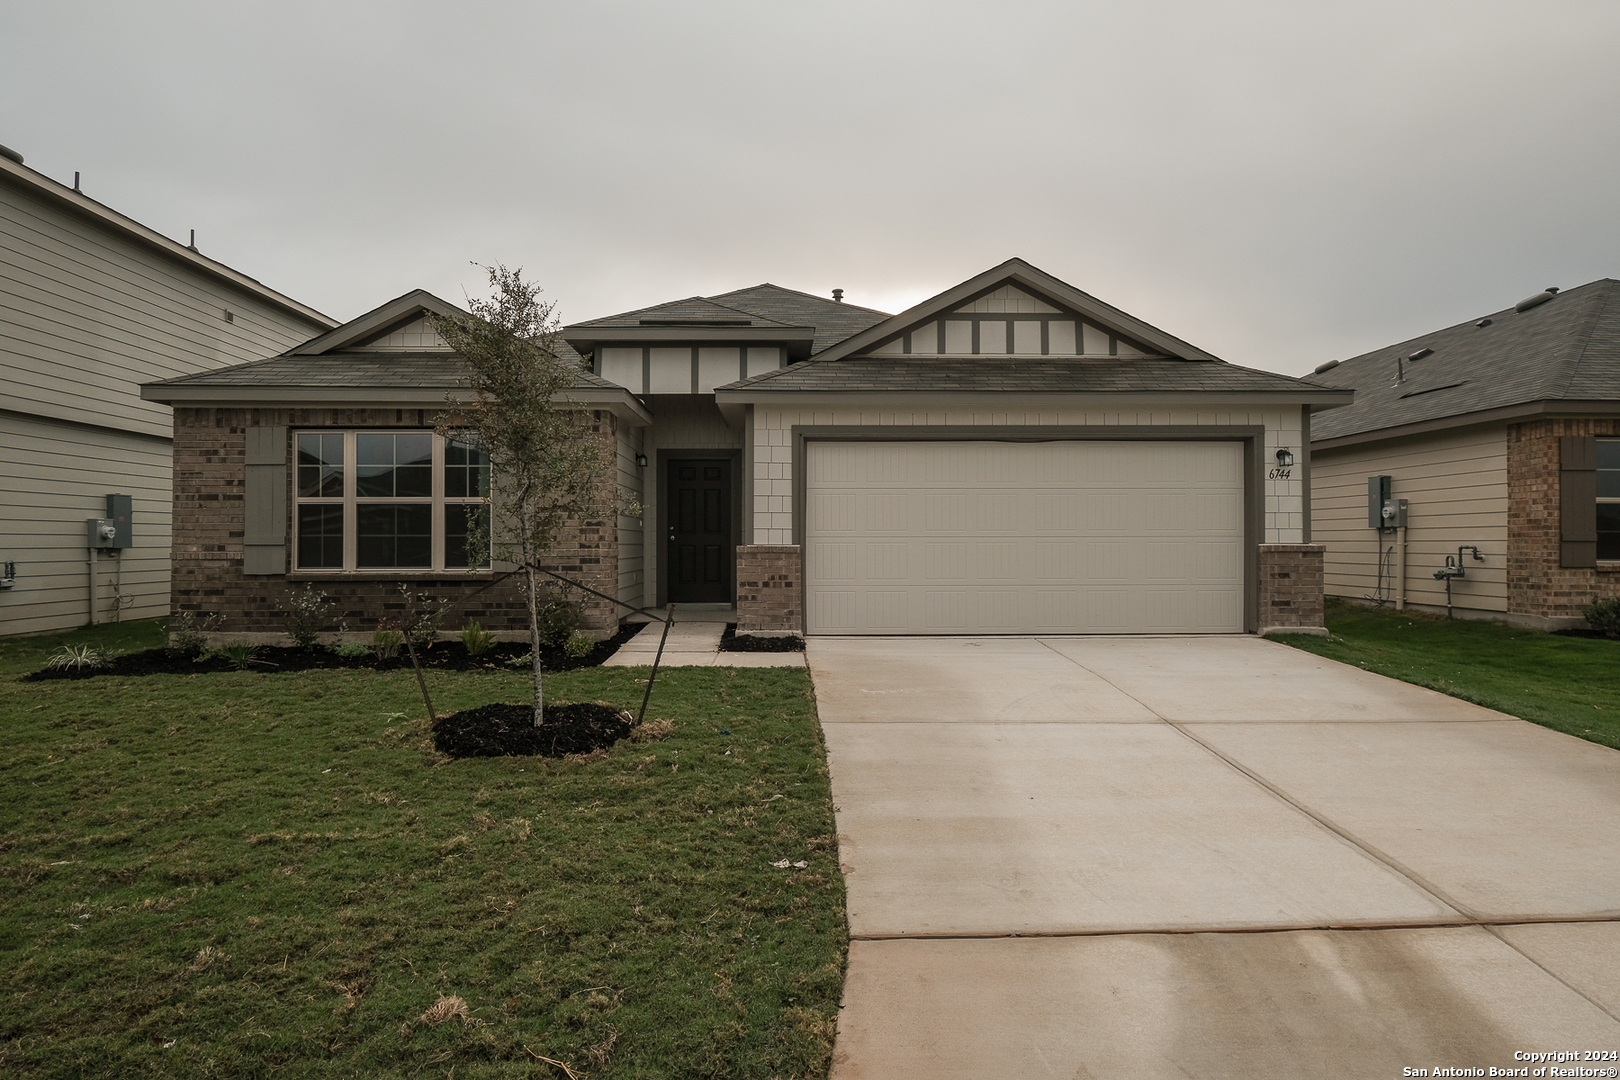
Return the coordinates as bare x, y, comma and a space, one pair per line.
443, 656
509, 730
731, 641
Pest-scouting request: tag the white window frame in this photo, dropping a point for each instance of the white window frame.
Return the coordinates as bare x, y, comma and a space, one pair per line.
351, 501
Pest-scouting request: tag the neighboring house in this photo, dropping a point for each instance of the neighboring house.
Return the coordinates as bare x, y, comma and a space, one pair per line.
1502, 434
91, 305
1012, 456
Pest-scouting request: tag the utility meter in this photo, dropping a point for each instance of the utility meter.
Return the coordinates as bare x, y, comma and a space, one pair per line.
1384, 511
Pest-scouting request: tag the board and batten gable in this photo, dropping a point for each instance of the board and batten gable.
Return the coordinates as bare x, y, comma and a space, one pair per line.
96, 304
683, 369
1456, 486
1011, 322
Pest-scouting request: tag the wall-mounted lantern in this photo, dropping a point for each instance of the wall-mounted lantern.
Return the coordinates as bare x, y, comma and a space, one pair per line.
1285, 458
641, 461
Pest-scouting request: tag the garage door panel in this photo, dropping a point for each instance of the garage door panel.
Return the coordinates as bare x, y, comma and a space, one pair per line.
1062, 537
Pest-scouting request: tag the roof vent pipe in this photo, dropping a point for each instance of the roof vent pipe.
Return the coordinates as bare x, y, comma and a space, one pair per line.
1540, 298
8, 152
838, 295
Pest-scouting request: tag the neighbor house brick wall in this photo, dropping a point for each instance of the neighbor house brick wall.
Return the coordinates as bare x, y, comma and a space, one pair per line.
1291, 585
770, 588
1537, 584
209, 454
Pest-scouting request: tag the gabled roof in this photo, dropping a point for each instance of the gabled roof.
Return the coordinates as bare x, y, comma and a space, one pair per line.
1032, 280
336, 367
412, 305
1559, 354
766, 313
1023, 374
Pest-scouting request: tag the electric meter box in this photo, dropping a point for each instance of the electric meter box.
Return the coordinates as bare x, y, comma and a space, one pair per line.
119, 512
1383, 511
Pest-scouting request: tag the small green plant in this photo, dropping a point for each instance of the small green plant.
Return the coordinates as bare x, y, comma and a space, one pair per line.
308, 613
79, 658
240, 654
351, 650
188, 634
1604, 616
579, 645
477, 640
386, 640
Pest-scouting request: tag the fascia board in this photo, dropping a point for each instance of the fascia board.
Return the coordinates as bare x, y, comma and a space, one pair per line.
64, 197
890, 399
1534, 410
374, 320
622, 403
1027, 276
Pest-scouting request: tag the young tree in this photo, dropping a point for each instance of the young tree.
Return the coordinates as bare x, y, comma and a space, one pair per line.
547, 463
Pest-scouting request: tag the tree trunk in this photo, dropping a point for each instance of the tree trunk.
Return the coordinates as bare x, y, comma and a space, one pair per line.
534, 635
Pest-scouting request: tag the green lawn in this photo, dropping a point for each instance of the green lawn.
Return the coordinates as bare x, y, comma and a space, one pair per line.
254, 874
1567, 684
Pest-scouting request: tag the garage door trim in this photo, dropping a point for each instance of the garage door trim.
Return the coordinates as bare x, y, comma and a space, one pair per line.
1251, 436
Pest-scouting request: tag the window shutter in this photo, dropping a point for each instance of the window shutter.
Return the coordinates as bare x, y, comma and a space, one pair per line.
1577, 500
264, 502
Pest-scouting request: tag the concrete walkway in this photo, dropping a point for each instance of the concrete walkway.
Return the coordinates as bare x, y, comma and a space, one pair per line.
1206, 857
693, 642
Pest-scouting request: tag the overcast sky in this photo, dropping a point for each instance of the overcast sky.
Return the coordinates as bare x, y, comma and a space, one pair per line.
1279, 182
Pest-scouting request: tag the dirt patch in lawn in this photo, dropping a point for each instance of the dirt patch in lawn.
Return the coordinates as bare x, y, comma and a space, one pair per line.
443, 656
510, 731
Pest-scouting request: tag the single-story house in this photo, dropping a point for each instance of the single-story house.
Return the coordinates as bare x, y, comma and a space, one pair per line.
1012, 456
1501, 435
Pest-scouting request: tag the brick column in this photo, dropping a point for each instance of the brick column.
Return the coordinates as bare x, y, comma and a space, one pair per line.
1291, 588
770, 588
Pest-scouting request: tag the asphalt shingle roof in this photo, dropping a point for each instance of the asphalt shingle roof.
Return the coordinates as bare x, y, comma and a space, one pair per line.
694, 310
834, 321
1566, 349
1019, 374
435, 370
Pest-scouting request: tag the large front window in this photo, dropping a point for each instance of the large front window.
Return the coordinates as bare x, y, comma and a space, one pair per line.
1608, 500
389, 500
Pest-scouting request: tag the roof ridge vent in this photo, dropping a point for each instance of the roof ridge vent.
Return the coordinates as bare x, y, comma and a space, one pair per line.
1534, 301
1420, 354
8, 152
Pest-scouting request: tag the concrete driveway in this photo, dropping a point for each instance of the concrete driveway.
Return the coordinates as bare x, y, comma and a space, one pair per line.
1207, 857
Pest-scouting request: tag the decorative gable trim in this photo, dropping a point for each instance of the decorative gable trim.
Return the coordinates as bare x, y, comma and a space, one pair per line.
356, 332
1005, 285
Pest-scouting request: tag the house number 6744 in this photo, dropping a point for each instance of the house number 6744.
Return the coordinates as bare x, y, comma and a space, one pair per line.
1279, 474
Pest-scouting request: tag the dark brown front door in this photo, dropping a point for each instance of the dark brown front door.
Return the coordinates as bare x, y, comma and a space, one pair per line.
699, 515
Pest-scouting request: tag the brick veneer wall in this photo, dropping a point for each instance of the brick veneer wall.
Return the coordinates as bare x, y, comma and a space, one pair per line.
209, 465
1536, 584
1291, 586
770, 588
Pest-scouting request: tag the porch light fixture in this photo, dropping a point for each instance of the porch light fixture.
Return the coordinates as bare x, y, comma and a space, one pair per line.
641, 461
1285, 458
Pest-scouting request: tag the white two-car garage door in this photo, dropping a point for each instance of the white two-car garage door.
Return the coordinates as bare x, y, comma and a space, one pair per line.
1024, 537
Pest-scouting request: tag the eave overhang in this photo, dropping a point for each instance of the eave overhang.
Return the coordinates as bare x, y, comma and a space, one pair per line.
620, 402
1508, 414
733, 404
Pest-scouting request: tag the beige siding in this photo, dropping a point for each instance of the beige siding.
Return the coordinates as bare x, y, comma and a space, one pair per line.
60, 476
87, 314
1455, 484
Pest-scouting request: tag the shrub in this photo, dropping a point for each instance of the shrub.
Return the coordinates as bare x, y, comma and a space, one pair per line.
352, 650
1604, 615
423, 614
386, 640
79, 658
308, 612
477, 640
240, 654
188, 635
579, 645
558, 620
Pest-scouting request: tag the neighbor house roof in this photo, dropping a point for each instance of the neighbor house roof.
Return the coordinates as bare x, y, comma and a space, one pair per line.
1559, 353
